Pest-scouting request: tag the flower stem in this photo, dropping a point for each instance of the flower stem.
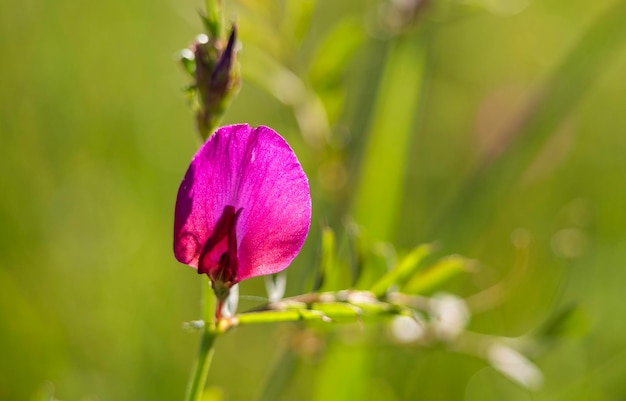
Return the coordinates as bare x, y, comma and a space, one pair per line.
205, 352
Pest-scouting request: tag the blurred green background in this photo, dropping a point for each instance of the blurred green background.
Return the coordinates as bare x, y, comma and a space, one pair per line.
95, 137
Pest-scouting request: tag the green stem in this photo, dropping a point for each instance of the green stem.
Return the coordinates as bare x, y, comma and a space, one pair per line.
205, 352
325, 311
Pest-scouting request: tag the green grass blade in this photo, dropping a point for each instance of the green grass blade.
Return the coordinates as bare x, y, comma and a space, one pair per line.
435, 276
381, 185
403, 271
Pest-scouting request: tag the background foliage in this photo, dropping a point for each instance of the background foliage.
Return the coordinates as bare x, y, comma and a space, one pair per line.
95, 137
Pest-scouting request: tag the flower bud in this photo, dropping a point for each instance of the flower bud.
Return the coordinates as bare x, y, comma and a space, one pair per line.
217, 79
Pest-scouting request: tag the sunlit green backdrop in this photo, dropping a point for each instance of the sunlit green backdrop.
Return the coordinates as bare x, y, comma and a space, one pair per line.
95, 136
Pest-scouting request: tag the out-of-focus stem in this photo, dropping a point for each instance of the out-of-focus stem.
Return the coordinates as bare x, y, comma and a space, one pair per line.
390, 132
205, 352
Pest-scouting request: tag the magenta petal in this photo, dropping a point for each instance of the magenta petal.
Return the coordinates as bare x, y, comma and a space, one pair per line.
255, 170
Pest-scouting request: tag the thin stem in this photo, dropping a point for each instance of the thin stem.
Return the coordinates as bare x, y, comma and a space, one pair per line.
209, 304
201, 370
205, 352
331, 308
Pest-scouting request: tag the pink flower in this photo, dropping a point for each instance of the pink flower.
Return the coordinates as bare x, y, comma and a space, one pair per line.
244, 207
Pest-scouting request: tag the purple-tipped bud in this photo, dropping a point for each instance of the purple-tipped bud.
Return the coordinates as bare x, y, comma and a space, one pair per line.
217, 79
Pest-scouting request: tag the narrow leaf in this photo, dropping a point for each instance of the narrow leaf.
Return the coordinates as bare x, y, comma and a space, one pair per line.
379, 192
403, 270
435, 276
327, 261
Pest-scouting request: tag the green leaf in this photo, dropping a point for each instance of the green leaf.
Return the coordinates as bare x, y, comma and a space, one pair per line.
403, 270
435, 276
327, 261
375, 261
336, 271
369, 259
381, 183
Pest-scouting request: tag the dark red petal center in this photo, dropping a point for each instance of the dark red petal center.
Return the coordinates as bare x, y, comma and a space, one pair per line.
219, 255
